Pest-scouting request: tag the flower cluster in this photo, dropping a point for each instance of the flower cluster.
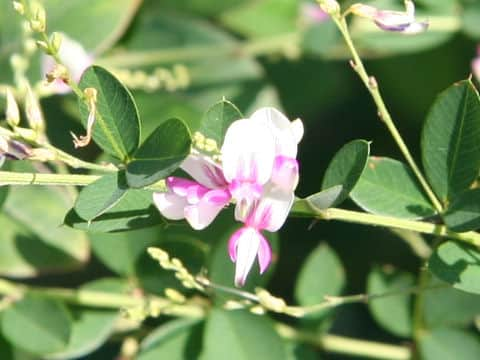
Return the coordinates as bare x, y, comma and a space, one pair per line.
258, 172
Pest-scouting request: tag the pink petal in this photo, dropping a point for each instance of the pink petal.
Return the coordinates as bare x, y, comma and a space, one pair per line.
181, 186
248, 152
247, 246
200, 215
285, 173
170, 205
204, 170
264, 254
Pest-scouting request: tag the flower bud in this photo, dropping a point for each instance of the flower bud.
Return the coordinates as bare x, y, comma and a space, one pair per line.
12, 113
34, 112
331, 7
39, 21
19, 8
55, 42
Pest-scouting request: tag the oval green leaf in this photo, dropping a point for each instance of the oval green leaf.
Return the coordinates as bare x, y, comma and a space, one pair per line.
37, 325
177, 339
458, 265
447, 344
464, 212
240, 335
392, 312
160, 155
217, 119
321, 275
451, 141
346, 167
117, 125
388, 187
100, 196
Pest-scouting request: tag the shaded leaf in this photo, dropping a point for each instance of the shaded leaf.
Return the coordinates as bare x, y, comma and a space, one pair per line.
243, 336
117, 124
451, 140
392, 312
470, 20
458, 265
176, 340
346, 167
388, 187
100, 196
447, 344
161, 154
463, 214
37, 325
321, 275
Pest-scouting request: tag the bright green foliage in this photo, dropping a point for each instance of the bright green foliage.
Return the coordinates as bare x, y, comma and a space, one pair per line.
322, 275
446, 344
117, 124
470, 19
451, 141
391, 312
239, 335
463, 214
37, 325
217, 119
160, 154
176, 340
388, 187
458, 265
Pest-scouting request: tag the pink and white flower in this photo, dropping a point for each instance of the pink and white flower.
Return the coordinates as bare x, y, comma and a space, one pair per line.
259, 173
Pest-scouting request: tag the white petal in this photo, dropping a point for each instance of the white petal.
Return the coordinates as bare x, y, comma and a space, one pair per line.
170, 205
285, 139
248, 243
200, 215
272, 210
204, 170
248, 152
297, 129
2, 160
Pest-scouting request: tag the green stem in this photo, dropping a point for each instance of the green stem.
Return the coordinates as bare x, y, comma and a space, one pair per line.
372, 86
301, 208
344, 345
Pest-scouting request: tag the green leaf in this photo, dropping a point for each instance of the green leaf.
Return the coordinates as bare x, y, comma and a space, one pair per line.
451, 140
322, 274
176, 340
217, 119
263, 18
391, 312
470, 20
100, 196
3, 194
161, 154
346, 167
325, 198
448, 307
103, 23
117, 124
458, 265
447, 344
33, 241
134, 211
239, 335
388, 187
91, 327
127, 247
464, 212
37, 325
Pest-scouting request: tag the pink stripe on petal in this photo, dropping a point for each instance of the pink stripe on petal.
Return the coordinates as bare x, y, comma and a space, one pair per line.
247, 248
200, 215
233, 242
285, 173
179, 186
264, 254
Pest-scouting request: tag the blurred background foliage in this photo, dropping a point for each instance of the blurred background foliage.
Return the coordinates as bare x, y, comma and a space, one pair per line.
253, 53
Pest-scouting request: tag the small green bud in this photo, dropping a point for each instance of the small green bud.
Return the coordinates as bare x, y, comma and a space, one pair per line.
34, 112
39, 21
331, 7
55, 42
12, 112
18, 6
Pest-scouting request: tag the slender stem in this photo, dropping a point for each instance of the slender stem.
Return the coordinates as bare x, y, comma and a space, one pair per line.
372, 86
344, 345
301, 208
